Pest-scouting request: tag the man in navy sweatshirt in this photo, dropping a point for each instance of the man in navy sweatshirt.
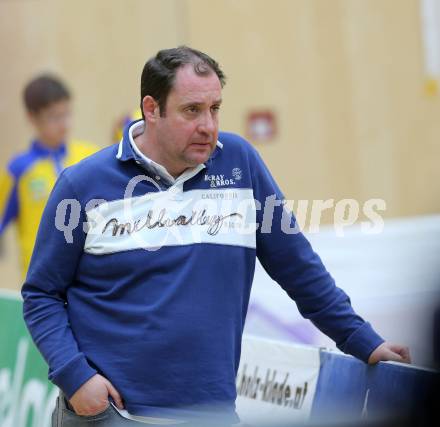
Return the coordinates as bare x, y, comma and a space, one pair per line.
139, 282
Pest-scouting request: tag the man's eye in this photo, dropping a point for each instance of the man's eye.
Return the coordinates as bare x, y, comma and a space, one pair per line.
193, 109
216, 108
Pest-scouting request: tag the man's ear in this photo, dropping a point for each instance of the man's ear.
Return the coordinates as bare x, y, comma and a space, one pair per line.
150, 108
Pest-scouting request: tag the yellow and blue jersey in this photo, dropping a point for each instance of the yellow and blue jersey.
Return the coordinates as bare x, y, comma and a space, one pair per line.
26, 184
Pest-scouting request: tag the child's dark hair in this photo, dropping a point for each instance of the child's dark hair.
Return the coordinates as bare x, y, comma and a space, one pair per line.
43, 91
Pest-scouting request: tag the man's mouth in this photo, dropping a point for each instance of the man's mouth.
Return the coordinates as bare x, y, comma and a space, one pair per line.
201, 144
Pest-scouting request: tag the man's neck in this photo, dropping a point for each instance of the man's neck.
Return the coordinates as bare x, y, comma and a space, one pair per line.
149, 149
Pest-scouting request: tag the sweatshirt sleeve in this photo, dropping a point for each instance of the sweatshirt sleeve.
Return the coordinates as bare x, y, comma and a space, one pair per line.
51, 272
289, 259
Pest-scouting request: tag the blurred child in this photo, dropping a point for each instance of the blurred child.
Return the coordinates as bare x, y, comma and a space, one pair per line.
29, 177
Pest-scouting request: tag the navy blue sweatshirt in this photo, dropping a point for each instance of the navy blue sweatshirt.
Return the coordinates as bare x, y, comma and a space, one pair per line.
151, 287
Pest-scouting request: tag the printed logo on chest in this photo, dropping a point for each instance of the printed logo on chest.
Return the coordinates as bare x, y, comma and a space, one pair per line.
222, 180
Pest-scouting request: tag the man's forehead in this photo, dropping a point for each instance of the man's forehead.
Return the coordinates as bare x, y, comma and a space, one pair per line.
190, 85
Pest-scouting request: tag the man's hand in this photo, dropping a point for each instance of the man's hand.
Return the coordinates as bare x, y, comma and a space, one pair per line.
387, 351
92, 397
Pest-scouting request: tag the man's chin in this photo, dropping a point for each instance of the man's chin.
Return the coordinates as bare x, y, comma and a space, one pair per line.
198, 158
194, 163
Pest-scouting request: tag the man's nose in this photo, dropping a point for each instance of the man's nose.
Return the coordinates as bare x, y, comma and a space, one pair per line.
208, 124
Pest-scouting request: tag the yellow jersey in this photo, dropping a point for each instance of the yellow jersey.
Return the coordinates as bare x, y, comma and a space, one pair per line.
26, 184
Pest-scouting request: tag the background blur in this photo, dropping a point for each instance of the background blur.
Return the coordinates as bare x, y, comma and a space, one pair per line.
350, 88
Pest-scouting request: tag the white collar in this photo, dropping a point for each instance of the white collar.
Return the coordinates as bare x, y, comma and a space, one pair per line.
136, 129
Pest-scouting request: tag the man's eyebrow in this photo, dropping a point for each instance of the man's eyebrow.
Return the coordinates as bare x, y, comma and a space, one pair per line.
186, 104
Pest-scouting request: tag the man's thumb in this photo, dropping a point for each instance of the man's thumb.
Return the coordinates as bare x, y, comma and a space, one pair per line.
114, 393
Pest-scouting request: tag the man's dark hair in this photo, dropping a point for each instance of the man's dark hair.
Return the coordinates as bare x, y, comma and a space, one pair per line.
160, 72
43, 91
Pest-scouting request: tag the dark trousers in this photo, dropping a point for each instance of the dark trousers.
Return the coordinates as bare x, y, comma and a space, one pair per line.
64, 416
